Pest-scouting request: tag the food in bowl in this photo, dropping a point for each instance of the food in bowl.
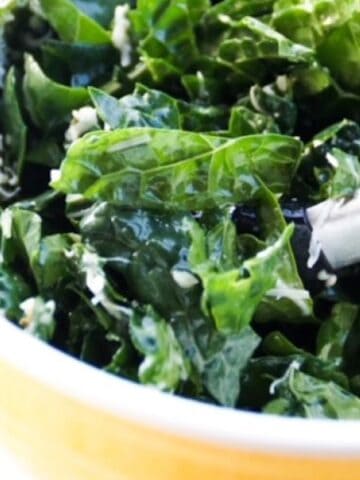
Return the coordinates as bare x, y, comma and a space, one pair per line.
180, 190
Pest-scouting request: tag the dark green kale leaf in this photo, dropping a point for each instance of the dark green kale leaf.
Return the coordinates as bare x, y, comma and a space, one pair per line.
329, 165
15, 128
151, 256
48, 103
275, 103
167, 36
79, 64
72, 24
14, 290
335, 331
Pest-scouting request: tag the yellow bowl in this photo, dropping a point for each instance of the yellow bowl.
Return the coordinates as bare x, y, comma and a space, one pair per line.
65, 420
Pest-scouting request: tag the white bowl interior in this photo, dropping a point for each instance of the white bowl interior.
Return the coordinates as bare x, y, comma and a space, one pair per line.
171, 413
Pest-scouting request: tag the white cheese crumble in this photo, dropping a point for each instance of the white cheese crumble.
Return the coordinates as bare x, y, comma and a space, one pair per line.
35, 7
74, 197
254, 100
298, 296
333, 161
317, 143
330, 279
224, 18
7, 177
28, 306
6, 223
95, 278
120, 35
84, 120
294, 366
268, 89
282, 83
184, 278
201, 79
96, 282
55, 175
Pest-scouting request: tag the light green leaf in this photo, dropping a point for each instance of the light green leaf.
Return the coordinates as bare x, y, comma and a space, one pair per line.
340, 52
346, 180
223, 368
233, 290
164, 365
168, 43
38, 317
235, 10
244, 121
170, 169
308, 22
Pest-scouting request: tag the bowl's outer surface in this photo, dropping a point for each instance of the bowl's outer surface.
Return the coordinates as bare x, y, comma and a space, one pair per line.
61, 436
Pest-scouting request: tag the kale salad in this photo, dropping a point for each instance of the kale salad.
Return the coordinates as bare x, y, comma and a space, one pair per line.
154, 156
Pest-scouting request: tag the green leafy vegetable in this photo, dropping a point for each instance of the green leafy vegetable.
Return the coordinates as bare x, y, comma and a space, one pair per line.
223, 368
169, 43
309, 22
236, 10
15, 126
145, 108
80, 64
232, 293
334, 332
146, 167
49, 103
306, 396
14, 290
346, 180
38, 318
157, 162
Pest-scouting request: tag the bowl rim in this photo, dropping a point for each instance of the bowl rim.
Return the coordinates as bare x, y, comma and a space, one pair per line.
173, 414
